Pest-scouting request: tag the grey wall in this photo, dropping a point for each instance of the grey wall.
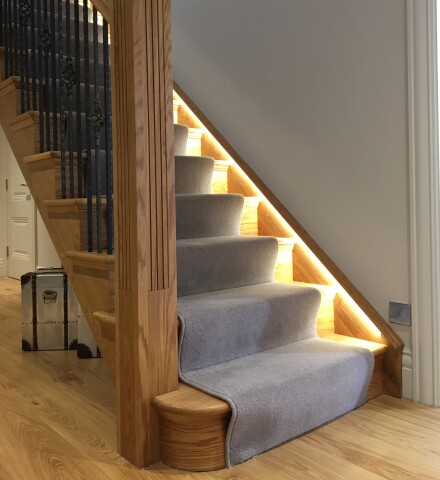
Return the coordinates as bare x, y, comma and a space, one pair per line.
312, 93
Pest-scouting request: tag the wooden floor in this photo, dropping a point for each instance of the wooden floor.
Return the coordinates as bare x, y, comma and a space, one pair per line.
57, 421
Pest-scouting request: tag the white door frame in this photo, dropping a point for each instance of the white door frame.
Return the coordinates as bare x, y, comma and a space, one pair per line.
424, 194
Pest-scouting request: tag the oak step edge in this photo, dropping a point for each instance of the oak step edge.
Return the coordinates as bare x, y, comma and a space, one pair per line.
63, 202
375, 348
93, 257
107, 324
9, 84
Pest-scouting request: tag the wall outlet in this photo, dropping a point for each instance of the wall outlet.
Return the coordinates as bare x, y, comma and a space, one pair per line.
400, 313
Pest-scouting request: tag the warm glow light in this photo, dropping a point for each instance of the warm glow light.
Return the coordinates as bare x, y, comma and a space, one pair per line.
360, 314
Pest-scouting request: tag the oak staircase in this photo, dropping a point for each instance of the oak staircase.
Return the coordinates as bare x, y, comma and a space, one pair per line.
193, 424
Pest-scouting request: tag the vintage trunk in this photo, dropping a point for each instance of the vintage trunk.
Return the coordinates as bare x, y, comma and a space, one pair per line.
49, 311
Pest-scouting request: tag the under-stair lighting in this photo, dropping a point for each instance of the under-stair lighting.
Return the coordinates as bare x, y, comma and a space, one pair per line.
360, 314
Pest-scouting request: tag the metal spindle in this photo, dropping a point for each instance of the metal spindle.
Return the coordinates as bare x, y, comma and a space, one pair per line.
2, 21
11, 36
40, 76
19, 51
25, 13
87, 130
69, 80
78, 103
54, 83
5, 6
108, 140
15, 39
33, 58
46, 45
97, 119
60, 32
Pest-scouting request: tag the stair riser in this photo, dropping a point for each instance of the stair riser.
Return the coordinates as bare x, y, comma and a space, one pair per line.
74, 219
193, 174
208, 215
205, 267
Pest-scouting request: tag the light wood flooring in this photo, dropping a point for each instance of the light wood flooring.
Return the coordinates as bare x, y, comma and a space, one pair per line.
57, 421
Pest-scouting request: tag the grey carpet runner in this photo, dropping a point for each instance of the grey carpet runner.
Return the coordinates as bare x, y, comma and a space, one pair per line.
244, 338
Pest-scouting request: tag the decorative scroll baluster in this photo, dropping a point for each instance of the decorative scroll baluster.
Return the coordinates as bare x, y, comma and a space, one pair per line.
69, 80
108, 141
54, 86
78, 103
60, 32
46, 45
87, 131
98, 120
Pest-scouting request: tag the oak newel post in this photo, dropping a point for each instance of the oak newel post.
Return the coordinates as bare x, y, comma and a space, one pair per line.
145, 277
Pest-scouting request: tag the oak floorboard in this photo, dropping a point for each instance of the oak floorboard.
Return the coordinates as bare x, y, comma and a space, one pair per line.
57, 421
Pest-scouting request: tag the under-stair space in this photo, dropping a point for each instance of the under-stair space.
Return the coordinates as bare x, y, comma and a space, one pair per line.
273, 339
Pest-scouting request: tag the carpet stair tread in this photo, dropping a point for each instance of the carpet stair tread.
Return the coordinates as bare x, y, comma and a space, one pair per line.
220, 326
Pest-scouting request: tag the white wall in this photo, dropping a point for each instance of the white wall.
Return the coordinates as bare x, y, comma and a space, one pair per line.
47, 255
312, 93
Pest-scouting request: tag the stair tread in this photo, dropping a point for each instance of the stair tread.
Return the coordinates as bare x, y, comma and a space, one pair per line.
188, 400
63, 202
92, 257
375, 348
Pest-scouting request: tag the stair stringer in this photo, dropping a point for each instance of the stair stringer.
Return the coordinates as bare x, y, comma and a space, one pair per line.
39, 171
353, 315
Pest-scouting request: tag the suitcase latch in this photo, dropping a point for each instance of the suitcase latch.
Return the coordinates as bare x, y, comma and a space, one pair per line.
50, 296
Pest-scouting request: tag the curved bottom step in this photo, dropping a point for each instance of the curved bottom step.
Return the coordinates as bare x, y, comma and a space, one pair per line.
193, 425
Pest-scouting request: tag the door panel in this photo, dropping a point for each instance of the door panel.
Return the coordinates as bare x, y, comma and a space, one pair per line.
21, 222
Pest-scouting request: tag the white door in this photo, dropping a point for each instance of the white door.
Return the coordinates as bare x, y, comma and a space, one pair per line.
21, 221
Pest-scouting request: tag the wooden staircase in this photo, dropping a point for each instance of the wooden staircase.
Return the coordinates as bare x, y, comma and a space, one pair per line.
193, 424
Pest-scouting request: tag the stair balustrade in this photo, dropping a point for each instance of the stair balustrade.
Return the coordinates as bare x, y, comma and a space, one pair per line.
60, 50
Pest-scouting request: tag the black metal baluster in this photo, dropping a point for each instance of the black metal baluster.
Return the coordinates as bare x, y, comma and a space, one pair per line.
33, 58
78, 103
5, 11
19, 51
46, 45
11, 39
40, 76
2, 21
25, 14
15, 38
97, 119
60, 32
54, 84
69, 79
88, 128
108, 140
